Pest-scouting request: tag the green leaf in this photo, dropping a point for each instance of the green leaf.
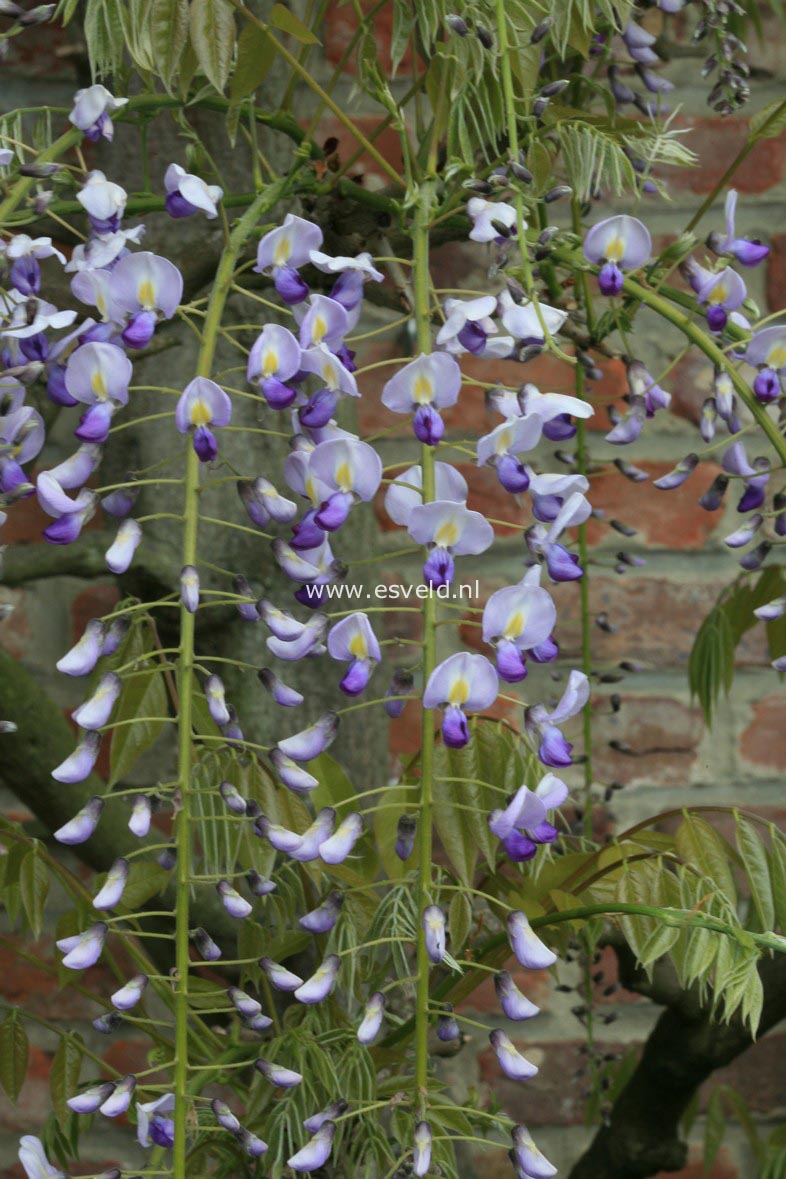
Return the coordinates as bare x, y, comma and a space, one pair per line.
778, 878
700, 844
213, 39
64, 1075
770, 121
34, 887
14, 1053
103, 28
754, 860
255, 55
142, 696
459, 922
169, 36
711, 661
281, 18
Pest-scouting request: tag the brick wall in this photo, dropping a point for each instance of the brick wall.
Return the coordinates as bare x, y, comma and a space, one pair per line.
673, 762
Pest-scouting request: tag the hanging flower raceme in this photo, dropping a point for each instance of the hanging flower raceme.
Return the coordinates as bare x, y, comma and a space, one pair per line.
423, 387
617, 244
202, 405
461, 683
283, 251
448, 529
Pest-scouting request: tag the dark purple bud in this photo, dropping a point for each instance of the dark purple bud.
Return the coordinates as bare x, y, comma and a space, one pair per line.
562, 564
119, 503
557, 193
177, 206
545, 652
455, 731
540, 31
224, 1116
755, 558
629, 559
559, 429
515, 1006
521, 173
276, 393
405, 836
204, 944
290, 286
25, 275
512, 474
139, 330
258, 885
767, 386
232, 798
684, 468
539, 107
247, 610
713, 496
447, 1027
319, 409
438, 568
323, 918
484, 36
400, 685
334, 511
167, 858
244, 1003
427, 425
610, 279
107, 1023
38, 171
205, 444
511, 664
457, 25
635, 474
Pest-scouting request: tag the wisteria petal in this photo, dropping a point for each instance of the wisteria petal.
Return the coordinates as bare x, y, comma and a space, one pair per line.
464, 680
530, 951
433, 379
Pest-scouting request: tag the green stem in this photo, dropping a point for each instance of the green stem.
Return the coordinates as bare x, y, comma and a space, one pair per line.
186, 683
421, 288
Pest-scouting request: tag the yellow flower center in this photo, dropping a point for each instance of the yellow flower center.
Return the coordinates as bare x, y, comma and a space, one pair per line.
515, 625
146, 295
459, 691
320, 327
200, 413
423, 391
447, 534
282, 251
615, 249
269, 363
358, 647
344, 476
98, 385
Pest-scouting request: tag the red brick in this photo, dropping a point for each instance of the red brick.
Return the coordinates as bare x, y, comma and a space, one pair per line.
341, 24
387, 143
671, 519
757, 1075
98, 599
21, 983
762, 742
717, 141
663, 733
776, 271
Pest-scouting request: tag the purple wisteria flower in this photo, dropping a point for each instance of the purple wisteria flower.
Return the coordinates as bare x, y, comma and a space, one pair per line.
282, 1078
525, 320
274, 359
433, 922
34, 1161
90, 1099
766, 352
522, 825
352, 640
153, 1127
530, 951
553, 749
448, 529
283, 251
24, 253
492, 221
81, 827
91, 112
424, 386
749, 252
203, 404
111, 892
532, 1163
515, 1066
321, 983
79, 764
315, 1153
617, 244
461, 683
83, 949
515, 620
421, 1150
187, 194
103, 201
373, 1014
324, 917
515, 1006
723, 292
83, 656
130, 993
406, 490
